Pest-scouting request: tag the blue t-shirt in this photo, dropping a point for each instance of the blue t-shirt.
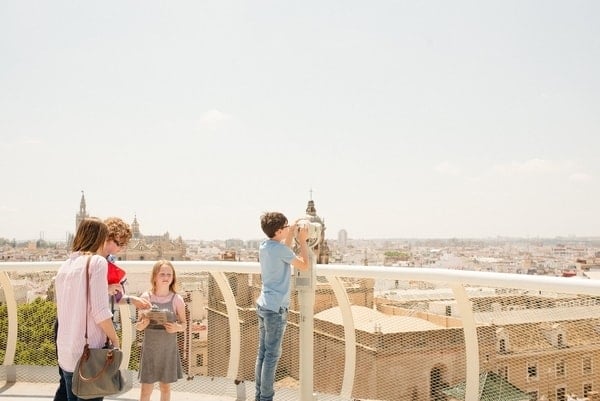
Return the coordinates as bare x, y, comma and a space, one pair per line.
275, 269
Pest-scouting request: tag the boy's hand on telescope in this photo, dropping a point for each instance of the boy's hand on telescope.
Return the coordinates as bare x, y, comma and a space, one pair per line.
302, 233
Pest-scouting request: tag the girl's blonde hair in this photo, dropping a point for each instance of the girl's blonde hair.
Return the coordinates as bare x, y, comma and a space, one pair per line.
156, 269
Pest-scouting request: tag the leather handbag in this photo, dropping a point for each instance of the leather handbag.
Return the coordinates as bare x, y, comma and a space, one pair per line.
97, 371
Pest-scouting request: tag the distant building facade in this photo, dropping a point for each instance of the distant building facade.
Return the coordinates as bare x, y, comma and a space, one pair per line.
342, 239
141, 247
152, 247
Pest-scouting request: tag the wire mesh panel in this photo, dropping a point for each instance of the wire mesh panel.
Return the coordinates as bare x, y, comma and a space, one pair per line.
531, 345
3, 324
32, 293
404, 351
543, 345
373, 339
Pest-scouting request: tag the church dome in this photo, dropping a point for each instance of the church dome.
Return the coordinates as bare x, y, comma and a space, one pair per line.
311, 214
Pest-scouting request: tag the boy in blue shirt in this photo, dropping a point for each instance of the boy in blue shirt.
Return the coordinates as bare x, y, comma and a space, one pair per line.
276, 256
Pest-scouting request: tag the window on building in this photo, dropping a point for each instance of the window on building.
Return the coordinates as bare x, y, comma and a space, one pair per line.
532, 372
561, 394
533, 395
195, 336
503, 371
587, 365
587, 387
200, 360
502, 346
560, 369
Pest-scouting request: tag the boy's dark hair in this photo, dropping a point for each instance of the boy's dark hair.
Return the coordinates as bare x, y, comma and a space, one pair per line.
270, 222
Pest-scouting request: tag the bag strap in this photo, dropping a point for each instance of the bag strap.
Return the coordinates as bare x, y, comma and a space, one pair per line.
87, 301
87, 296
86, 348
86, 355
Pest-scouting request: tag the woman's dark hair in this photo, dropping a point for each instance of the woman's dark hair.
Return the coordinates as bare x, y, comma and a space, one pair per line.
91, 235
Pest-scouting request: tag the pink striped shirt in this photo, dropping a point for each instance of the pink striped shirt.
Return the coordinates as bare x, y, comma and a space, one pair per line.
71, 307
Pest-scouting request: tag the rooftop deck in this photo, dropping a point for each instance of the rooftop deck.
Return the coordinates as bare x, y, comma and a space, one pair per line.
45, 391
21, 391
438, 344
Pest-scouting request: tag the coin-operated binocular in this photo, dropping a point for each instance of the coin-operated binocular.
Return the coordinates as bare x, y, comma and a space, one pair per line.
304, 279
315, 232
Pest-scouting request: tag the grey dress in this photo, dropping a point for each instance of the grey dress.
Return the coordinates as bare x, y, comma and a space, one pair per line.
160, 361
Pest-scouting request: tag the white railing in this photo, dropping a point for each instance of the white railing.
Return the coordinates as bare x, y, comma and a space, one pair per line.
457, 280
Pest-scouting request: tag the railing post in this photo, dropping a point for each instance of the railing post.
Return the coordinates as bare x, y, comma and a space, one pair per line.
11, 340
465, 307
349, 335
235, 336
306, 299
127, 334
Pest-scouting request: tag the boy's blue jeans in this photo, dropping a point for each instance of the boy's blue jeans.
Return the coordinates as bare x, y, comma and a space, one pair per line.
271, 327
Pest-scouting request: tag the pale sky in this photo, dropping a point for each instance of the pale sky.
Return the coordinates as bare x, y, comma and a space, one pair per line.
408, 119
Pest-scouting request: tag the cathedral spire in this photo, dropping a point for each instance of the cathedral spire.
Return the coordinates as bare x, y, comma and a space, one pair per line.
82, 203
135, 227
82, 212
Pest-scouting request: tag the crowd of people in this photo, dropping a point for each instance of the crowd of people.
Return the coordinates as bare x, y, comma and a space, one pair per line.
90, 276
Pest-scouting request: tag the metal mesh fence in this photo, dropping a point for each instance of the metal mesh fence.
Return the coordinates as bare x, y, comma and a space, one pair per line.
385, 340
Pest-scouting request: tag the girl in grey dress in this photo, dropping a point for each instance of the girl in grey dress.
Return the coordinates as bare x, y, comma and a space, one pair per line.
160, 361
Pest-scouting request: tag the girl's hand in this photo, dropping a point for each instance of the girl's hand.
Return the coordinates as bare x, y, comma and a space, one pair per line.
173, 327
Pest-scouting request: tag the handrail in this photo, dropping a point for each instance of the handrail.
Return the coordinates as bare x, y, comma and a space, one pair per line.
570, 285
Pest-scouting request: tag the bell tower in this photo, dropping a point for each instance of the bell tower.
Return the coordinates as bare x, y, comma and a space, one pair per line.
322, 250
135, 228
82, 214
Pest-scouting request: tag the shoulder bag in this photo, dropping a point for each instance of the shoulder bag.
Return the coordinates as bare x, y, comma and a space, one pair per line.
97, 371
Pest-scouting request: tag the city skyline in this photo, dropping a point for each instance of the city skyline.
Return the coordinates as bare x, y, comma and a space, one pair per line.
331, 236
403, 119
